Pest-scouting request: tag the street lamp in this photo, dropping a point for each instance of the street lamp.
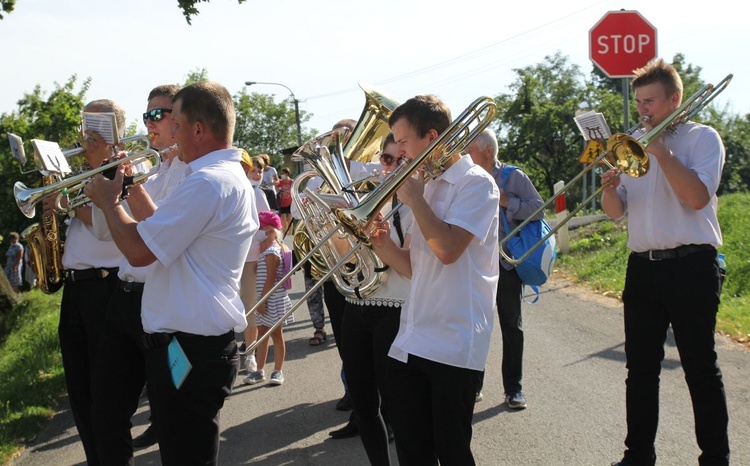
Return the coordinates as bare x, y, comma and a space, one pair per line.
296, 105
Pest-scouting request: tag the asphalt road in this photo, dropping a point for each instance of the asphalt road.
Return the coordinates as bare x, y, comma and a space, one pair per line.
574, 382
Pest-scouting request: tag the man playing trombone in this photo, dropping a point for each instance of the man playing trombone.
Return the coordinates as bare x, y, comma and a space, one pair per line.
446, 323
673, 275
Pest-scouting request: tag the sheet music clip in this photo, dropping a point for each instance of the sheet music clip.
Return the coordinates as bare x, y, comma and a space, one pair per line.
50, 156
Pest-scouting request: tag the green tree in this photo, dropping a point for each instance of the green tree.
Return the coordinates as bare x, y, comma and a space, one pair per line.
188, 7
52, 118
535, 122
264, 126
6, 6
197, 75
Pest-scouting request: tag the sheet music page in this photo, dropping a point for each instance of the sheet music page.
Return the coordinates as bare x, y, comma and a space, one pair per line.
51, 156
592, 125
16, 147
103, 123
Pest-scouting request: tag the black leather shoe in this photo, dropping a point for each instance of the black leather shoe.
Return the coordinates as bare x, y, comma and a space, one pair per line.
349, 430
146, 439
345, 403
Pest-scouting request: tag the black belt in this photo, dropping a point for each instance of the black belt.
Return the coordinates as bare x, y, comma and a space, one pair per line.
72, 275
155, 340
131, 287
680, 251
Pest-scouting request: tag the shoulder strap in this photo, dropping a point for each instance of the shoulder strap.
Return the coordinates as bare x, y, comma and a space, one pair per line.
506, 173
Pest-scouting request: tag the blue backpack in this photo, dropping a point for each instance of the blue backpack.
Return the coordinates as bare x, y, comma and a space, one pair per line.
535, 270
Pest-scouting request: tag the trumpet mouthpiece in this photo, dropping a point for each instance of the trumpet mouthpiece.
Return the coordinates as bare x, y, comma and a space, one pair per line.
150, 136
646, 119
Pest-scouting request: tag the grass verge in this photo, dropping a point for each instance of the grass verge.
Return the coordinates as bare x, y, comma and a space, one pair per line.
598, 259
31, 374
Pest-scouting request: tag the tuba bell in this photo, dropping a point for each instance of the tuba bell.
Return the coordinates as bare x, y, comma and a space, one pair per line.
364, 273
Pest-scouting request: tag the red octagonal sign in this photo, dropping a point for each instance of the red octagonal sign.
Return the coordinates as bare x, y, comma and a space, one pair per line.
620, 42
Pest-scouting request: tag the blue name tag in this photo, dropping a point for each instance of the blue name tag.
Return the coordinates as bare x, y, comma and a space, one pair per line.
179, 366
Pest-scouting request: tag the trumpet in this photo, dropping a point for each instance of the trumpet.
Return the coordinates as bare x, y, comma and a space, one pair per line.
27, 198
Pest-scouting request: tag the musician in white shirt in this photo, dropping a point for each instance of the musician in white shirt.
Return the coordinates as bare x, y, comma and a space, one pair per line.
198, 238
120, 375
673, 276
90, 268
446, 323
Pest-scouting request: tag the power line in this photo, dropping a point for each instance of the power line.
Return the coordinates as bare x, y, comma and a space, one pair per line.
539, 30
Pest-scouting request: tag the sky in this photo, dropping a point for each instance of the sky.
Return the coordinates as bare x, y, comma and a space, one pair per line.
322, 51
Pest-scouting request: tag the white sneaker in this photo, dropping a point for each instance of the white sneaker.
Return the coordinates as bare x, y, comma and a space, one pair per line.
251, 365
277, 378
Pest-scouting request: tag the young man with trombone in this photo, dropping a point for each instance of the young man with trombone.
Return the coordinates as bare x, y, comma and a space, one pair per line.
446, 324
672, 276
198, 239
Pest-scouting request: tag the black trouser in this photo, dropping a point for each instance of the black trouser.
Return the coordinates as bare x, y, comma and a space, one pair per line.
119, 377
683, 292
368, 334
511, 326
336, 303
187, 420
431, 406
81, 319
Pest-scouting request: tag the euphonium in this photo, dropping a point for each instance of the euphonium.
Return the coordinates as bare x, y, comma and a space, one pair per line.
359, 276
326, 154
46, 248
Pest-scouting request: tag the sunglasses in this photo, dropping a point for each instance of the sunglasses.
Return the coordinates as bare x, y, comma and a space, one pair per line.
155, 114
388, 159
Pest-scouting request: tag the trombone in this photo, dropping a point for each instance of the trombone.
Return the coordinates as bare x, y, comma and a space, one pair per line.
625, 153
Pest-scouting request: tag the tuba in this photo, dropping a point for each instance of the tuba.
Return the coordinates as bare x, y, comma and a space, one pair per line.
46, 248
364, 272
356, 222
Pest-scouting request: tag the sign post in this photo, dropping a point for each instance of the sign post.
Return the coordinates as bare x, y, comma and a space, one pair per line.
619, 43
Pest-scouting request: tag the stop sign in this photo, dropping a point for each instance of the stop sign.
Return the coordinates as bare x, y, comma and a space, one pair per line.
620, 42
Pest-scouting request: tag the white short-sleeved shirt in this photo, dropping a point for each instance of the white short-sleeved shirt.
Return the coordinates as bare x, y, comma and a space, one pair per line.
261, 205
449, 314
200, 235
268, 179
167, 178
656, 217
83, 250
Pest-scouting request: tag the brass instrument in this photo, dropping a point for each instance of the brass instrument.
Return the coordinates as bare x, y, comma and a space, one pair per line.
46, 248
452, 141
627, 154
326, 154
27, 198
360, 276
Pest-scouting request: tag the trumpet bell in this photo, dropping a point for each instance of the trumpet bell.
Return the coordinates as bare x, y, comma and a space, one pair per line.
27, 198
628, 155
